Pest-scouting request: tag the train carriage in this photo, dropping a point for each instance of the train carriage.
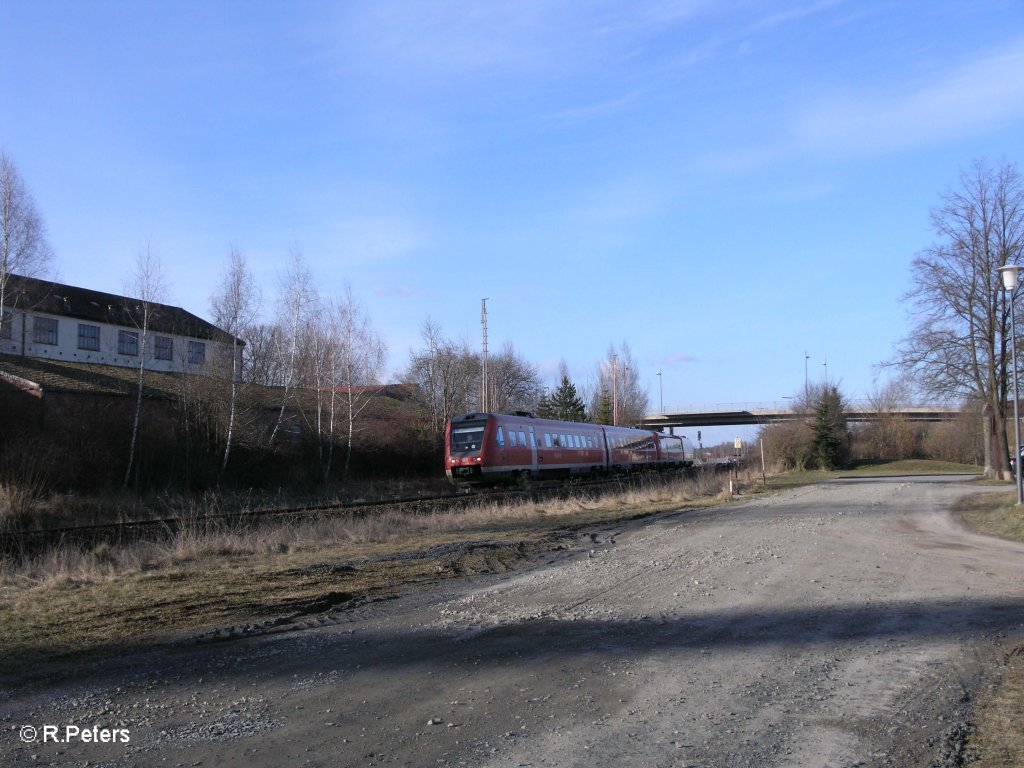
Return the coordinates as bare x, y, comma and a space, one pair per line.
490, 448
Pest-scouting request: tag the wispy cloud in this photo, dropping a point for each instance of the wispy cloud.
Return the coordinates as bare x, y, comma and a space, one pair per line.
370, 239
979, 96
618, 200
678, 358
389, 291
597, 110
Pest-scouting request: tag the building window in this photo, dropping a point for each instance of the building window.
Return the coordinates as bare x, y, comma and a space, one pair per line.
163, 348
196, 353
89, 337
128, 343
44, 330
5, 325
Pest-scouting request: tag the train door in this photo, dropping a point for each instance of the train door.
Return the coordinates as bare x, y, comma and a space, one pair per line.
533, 452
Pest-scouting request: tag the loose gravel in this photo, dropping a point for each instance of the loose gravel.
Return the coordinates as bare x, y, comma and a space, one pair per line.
851, 623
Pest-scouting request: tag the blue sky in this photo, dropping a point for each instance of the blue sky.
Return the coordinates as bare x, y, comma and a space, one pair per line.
721, 185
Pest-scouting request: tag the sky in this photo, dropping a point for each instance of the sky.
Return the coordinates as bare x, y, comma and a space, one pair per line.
734, 189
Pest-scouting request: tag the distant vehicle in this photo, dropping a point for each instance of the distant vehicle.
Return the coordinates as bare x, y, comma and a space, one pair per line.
491, 448
1013, 461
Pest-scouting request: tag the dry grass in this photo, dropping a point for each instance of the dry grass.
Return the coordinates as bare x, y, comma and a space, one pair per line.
993, 514
998, 738
69, 601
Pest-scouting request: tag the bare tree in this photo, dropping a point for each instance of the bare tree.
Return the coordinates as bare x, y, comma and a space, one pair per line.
23, 246
361, 353
891, 436
147, 287
959, 347
260, 362
618, 378
515, 382
318, 368
294, 303
234, 310
447, 375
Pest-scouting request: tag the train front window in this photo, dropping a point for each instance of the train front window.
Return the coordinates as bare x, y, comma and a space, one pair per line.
467, 439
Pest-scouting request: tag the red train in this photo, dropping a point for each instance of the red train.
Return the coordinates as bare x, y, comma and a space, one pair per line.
483, 448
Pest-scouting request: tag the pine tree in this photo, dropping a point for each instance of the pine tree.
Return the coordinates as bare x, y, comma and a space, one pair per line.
566, 403
830, 445
544, 409
605, 412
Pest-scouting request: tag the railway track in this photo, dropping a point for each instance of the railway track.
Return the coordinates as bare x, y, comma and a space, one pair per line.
27, 543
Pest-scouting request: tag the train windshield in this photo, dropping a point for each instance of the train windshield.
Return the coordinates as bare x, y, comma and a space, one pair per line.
467, 438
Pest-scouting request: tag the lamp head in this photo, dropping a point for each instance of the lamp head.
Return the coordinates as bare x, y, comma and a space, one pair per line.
1010, 274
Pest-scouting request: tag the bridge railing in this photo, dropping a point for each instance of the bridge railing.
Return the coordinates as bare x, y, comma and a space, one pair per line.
784, 405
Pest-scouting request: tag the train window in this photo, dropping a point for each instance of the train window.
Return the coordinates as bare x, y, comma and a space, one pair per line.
467, 438
576, 441
512, 438
547, 440
564, 443
522, 438
500, 437
533, 442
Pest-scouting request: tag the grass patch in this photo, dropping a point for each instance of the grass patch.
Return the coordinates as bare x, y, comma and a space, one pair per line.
998, 736
788, 480
911, 467
68, 602
993, 514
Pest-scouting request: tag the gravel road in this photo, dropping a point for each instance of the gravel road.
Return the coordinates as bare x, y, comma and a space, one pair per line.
844, 624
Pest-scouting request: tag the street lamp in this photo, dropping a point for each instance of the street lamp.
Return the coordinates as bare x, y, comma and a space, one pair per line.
1010, 275
661, 393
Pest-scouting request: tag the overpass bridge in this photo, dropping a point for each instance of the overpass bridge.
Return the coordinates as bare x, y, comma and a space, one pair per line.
738, 414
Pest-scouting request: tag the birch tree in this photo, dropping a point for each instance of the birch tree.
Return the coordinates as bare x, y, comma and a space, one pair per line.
147, 287
234, 309
296, 299
361, 355
23, 246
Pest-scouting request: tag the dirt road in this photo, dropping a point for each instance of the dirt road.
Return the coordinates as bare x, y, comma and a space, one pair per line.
843, 624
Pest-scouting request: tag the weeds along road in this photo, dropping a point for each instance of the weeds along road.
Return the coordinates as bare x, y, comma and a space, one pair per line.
842, 624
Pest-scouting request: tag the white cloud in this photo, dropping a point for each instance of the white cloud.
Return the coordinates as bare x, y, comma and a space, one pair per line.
978, 97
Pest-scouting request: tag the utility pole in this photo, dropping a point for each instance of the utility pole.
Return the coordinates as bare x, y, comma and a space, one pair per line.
807, 388
485, 404
615, 392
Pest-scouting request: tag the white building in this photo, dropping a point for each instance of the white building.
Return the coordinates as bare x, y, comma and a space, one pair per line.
62, 322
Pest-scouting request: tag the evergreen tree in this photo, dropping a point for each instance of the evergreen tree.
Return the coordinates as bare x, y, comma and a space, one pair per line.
605, 412
830, 449
566, 404
544, 409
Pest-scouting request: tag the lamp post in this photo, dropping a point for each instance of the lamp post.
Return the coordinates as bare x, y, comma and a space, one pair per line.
1010, 275
661, 393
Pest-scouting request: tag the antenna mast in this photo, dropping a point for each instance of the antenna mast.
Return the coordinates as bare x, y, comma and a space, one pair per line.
485, 405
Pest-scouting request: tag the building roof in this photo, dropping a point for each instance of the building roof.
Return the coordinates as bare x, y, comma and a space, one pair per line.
34, 295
